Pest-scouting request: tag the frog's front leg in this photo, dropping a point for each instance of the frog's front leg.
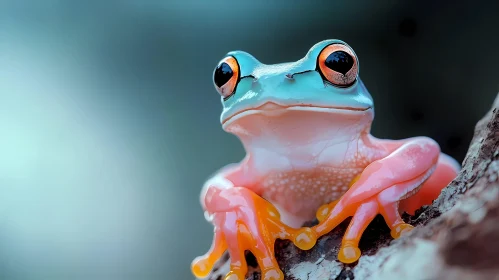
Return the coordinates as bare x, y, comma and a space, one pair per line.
380, 188
243, 221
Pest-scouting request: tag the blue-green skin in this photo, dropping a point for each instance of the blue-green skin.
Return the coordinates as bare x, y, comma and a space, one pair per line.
260, 83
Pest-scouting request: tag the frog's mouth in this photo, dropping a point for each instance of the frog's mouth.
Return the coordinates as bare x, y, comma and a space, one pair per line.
273, 109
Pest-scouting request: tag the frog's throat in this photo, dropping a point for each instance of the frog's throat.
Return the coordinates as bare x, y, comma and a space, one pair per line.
300, 128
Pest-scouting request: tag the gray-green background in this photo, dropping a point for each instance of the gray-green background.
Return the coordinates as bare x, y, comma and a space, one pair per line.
109, 122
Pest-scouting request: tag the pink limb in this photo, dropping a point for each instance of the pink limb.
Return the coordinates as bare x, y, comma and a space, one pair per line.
408, 161
413, 174
446, 171
247, 222
238, 266
349, 250
389, 203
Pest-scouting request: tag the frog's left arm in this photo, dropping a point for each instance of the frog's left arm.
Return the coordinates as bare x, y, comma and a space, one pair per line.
412, 175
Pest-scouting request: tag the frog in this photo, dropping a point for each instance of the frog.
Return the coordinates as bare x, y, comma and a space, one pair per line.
306, 129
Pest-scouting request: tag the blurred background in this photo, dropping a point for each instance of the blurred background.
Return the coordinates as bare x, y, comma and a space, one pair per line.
109, 121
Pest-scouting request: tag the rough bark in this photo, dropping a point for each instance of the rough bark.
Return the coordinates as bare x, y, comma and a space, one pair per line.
457, 237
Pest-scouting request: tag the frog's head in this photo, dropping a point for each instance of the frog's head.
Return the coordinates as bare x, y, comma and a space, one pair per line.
320, 92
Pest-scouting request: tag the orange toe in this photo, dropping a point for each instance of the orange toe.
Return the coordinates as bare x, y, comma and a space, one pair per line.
201, 267
322, 212
400, 229
235, 275
272, 274
349, 253
305, 239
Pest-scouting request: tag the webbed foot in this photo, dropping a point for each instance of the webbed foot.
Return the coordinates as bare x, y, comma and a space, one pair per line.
252, 224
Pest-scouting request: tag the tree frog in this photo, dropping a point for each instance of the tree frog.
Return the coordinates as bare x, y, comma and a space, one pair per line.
305, 127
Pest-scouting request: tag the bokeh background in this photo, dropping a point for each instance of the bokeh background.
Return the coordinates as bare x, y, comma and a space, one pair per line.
109, 122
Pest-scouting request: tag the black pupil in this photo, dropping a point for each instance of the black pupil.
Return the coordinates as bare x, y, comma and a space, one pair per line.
222, 75
339, 61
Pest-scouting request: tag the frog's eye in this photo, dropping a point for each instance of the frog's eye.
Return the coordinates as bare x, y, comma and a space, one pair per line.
337, 64
226, 76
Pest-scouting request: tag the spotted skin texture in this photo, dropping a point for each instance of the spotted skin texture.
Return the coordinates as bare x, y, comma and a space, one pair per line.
309, 153
302, 191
